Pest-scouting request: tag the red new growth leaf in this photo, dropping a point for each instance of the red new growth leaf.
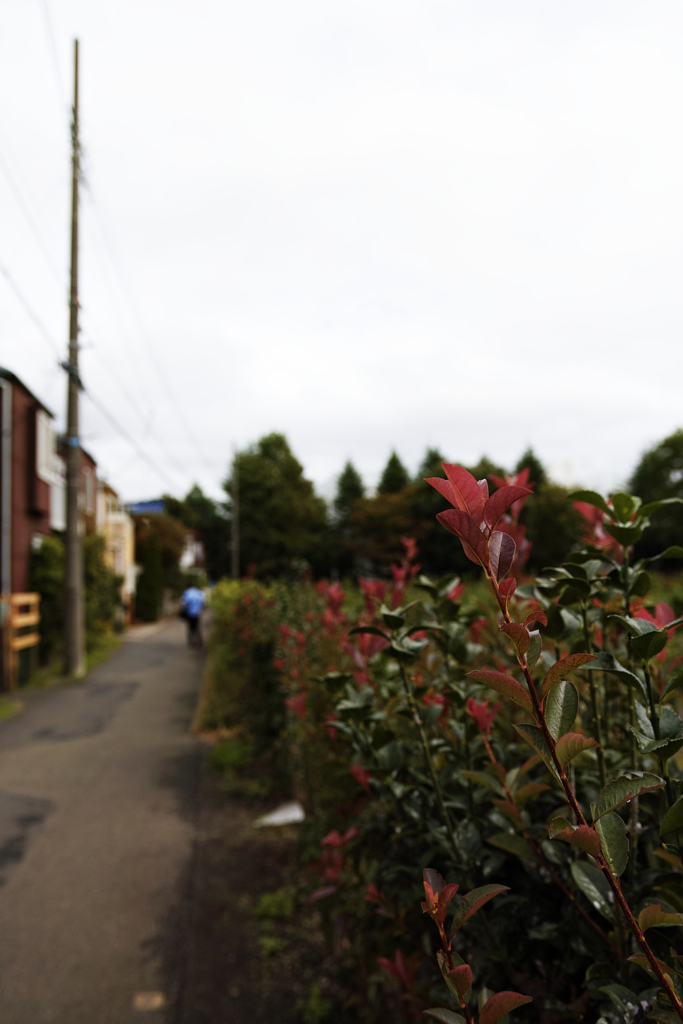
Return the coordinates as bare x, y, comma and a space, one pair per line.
464, 527
462, 978
507, 589
467, 493
439, 895
500, 502
562, 668
518, 634
536, 616
501, 553
481, 714
500, 1004
506, 686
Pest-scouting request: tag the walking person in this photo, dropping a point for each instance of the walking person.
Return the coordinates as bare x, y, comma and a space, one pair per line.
193, 601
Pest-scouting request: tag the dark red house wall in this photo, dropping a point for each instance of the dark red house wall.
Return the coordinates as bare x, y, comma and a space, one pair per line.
30, 495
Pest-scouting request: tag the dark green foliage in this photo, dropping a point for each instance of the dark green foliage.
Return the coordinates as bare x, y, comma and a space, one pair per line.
150, 589
394, 476
46, 577
485, 469
553, 525
102, 590
282, 520
209, 519
349, 489
537, 474
659, 474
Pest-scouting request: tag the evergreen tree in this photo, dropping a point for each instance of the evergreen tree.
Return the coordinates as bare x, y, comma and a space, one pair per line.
529, 460
349, 489
282, 521
394, 476
209, 519
659, 474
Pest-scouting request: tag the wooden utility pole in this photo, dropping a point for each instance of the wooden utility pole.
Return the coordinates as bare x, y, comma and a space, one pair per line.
74, 638
235, 522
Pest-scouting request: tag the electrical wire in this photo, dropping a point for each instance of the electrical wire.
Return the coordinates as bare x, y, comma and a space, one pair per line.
30, 312
131, 440
127, 291
54, 53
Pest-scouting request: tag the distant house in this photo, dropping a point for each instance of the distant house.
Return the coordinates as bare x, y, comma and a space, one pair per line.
118, 529
27, 465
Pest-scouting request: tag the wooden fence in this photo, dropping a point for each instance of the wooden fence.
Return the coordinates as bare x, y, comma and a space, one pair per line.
20, 612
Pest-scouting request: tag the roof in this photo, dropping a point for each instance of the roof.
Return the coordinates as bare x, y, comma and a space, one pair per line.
146, 507
13, 379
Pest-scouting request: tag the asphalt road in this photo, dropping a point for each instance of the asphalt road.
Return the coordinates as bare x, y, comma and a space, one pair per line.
97, 794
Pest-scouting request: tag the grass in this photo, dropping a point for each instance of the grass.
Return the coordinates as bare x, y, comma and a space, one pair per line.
53, 673
9, 707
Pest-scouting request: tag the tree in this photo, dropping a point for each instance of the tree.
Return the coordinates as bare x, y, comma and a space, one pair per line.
281, 519
659, 474
529, 460
349, 489
149, 593
394, 476
552, 523
379, 523
209, 519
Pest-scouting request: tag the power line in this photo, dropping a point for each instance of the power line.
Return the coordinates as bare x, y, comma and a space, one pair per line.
29, 310
127, 291
23, 205
131, 440
53, 52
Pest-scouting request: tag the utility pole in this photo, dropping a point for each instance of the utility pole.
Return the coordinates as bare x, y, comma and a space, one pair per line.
74, 648
235, 523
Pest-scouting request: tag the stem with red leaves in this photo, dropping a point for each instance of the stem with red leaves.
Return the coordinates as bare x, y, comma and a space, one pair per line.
580, 817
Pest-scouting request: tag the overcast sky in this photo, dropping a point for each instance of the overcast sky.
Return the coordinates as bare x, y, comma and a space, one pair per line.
368, 225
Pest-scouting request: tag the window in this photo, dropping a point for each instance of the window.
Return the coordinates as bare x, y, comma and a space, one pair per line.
45, 446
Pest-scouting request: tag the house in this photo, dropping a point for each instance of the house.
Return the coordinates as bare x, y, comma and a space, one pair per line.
118, 530
27, 457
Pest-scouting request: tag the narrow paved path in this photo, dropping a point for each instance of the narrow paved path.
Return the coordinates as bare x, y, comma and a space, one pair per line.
97, 787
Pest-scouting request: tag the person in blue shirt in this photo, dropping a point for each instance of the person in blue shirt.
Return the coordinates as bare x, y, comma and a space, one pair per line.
193, 601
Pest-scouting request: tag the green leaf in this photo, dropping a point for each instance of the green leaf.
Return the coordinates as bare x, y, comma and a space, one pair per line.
444, 1015
535, 738
562, 668
571, 744
512, 843
673, 819
582, 836
612, 832
506, 686
468, 905
674, 551
675, 683
654, 506
535, 648
620, 791
369, 629
394, 620
594, 886
561, 707
500, 1004
484, 779
640, 584
591, 498
625, 505
654, 917
643, 961
606, 662
626, 535
649, 645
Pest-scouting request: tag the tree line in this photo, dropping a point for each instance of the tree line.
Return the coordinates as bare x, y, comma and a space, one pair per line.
287, 529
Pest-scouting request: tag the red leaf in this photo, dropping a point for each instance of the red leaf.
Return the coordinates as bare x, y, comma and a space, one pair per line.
462, 978
502, 550
586, 838
464, 527
500, 502
467, 492
518, 634
537, 616
500, 1004
562, 668
443, 487
507, 589
506, 686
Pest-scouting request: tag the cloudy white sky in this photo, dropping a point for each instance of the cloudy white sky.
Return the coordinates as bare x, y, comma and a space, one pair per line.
369, 225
